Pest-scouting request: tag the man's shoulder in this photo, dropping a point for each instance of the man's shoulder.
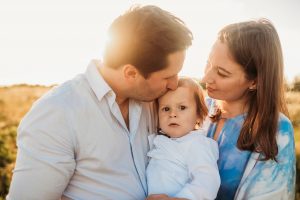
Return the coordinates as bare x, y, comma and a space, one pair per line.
65, 93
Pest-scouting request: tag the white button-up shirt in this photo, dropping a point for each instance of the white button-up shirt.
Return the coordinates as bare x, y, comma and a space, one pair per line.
74, 143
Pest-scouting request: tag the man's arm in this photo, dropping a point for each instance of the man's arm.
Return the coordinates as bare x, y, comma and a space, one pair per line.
45, 160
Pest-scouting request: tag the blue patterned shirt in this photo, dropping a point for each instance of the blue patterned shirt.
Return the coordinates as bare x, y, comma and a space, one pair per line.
231, 171
243, 176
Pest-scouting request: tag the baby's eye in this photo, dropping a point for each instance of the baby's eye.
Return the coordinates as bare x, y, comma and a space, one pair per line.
182, 107
165, 109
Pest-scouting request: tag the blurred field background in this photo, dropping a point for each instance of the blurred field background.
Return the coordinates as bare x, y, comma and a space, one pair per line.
16, 100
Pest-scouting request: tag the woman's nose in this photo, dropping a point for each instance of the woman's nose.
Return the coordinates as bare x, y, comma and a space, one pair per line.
207, 78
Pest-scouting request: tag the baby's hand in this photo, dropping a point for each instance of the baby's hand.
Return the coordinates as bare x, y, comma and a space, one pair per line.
162, 197
157, 197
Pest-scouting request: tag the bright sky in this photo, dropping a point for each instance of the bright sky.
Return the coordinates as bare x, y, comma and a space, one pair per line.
50, 41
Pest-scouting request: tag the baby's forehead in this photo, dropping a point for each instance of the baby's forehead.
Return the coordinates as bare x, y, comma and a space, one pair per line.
180, 94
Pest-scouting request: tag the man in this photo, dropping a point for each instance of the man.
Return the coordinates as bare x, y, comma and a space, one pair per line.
87, 139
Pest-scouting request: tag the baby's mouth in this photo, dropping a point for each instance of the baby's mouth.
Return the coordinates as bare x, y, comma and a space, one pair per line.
173, 124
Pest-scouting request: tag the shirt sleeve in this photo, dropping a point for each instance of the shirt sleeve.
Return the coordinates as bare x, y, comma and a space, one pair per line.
45, 159
271, 179
203, 170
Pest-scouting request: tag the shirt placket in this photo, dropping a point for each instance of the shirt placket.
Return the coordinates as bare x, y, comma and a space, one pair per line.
134, 117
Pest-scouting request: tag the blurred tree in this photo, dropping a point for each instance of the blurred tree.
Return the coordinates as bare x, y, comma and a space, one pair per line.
7, 157
296, 83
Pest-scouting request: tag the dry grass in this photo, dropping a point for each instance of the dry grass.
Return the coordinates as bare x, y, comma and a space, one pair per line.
15, 101
293, 103
292, 97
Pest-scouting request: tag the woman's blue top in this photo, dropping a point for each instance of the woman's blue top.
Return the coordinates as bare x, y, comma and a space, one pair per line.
242, 173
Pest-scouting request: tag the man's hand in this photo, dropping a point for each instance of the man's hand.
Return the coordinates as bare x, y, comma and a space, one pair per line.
162, 197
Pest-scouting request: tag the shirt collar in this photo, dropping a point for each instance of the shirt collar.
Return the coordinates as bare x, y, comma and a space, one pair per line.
96, 81
190, 135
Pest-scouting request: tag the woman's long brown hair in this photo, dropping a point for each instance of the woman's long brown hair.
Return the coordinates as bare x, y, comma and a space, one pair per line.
255, 45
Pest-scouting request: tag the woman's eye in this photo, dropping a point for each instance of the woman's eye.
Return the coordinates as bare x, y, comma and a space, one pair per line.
182, 107
222, 75
165, 109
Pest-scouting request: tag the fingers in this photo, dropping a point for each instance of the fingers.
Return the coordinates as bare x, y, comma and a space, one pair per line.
158, 197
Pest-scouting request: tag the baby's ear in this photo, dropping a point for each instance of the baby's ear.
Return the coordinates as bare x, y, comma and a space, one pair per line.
159, 130
197, 125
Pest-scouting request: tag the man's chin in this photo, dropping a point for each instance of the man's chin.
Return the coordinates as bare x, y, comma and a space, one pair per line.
144, 99
147, 100
150, 99
163, 93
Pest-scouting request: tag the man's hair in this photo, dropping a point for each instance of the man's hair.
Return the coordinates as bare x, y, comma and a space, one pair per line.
144, 37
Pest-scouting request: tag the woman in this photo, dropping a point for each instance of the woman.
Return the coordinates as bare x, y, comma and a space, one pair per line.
244, 80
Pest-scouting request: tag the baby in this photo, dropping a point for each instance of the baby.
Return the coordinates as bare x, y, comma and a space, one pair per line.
183, 161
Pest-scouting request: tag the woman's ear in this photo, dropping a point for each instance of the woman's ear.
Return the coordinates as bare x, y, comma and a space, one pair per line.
253, 85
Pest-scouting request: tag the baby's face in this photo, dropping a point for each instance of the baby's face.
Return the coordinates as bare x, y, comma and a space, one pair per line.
177, 112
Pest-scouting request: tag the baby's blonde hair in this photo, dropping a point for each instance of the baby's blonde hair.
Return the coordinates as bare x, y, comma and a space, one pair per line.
202, 110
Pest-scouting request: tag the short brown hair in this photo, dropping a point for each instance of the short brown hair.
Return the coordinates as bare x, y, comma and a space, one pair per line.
144, 37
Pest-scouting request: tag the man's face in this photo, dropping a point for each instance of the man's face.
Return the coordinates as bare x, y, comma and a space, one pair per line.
159, 82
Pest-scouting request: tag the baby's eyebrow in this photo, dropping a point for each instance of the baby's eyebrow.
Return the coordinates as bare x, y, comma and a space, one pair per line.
177, 103
163, 105
182, 102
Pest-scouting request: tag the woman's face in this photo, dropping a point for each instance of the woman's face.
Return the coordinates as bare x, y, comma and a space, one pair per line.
224, 77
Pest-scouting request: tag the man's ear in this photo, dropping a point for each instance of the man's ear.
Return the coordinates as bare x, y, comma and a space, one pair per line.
130, 72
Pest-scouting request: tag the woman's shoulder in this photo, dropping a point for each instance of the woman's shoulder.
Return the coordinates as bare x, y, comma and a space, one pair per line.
285, 137
285, 125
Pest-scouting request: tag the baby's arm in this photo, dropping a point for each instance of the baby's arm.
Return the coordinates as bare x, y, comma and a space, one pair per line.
202, 165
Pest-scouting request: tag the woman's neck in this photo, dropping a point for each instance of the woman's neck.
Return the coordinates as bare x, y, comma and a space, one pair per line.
231, 109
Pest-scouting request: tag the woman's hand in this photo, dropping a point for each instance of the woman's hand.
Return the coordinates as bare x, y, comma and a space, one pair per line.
162, 197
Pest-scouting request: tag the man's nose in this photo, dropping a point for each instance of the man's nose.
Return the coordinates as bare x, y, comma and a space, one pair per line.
172, 83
